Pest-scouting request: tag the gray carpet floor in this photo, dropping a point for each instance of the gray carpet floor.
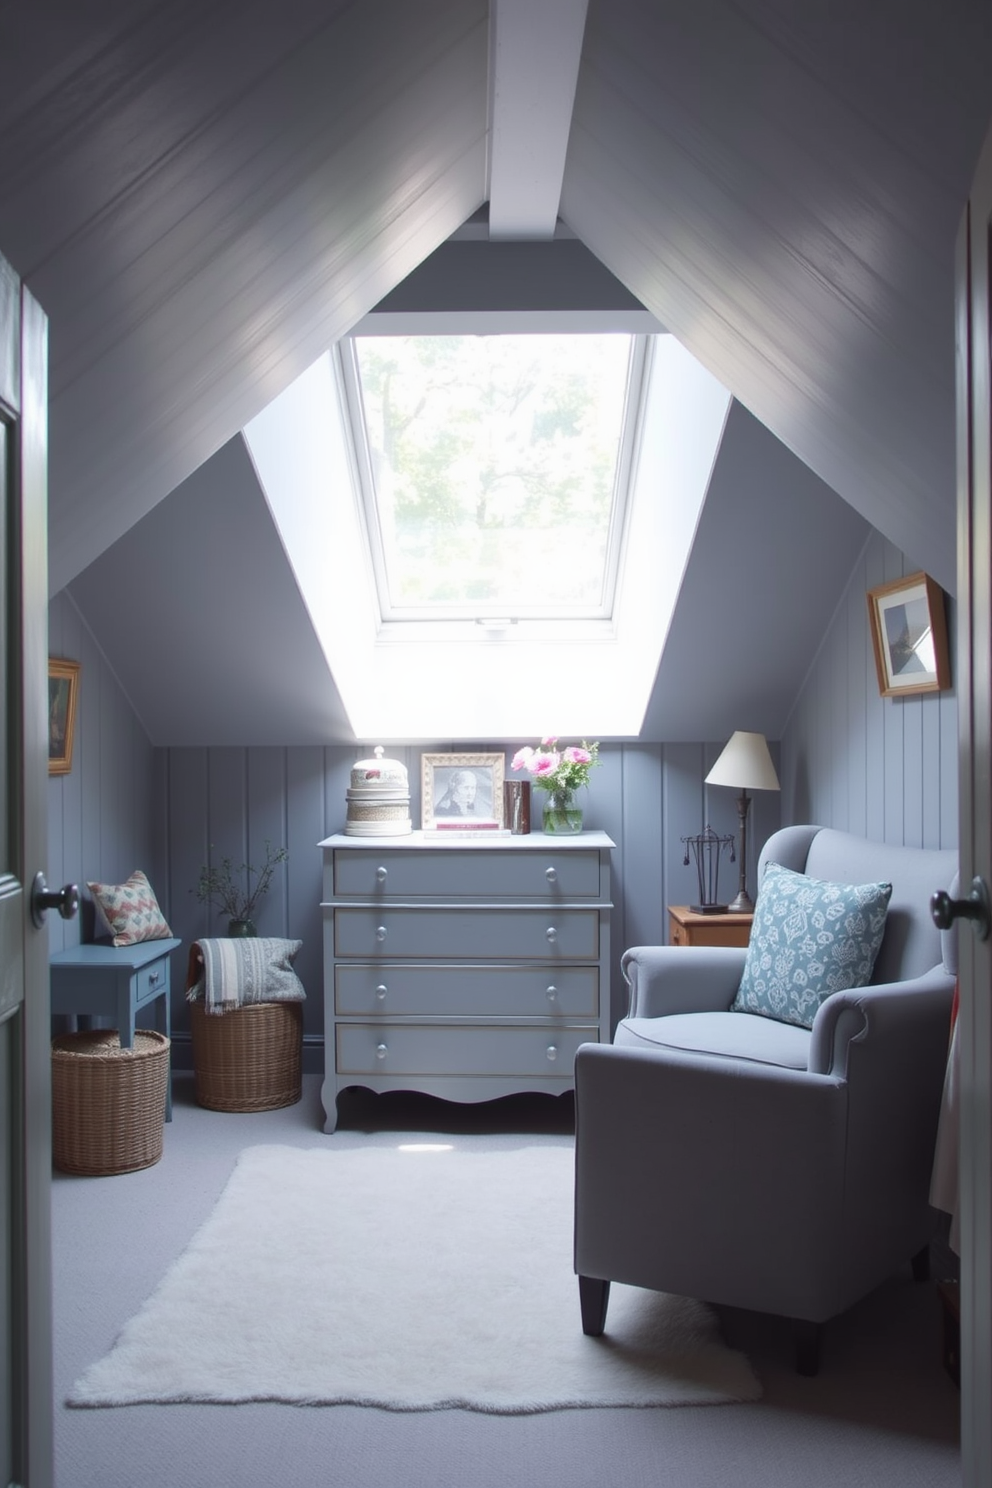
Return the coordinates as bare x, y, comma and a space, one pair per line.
882, 1411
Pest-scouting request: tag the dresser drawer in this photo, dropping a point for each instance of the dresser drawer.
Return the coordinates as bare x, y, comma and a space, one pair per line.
151, 981
461, 991
446, 873
398, 1049
468, 934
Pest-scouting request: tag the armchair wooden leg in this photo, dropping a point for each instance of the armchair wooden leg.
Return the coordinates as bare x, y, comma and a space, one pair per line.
594, 1298
807, 1336
921, 1264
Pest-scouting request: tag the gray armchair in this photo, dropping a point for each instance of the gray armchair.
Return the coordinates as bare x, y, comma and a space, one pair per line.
749, 1162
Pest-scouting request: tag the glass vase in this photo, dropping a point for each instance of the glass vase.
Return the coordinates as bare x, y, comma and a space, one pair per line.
561, 815
238, 928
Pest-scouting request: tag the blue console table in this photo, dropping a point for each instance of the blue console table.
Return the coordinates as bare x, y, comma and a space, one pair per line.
115, 982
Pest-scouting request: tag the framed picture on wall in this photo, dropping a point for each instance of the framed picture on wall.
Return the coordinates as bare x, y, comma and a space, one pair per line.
63, 694
909, 636
461, 790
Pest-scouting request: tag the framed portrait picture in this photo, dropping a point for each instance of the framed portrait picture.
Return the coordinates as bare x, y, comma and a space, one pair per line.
463, 790
909, 636
63, 693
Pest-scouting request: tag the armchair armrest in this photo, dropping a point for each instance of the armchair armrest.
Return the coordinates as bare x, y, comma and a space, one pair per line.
681, 979
906, 1023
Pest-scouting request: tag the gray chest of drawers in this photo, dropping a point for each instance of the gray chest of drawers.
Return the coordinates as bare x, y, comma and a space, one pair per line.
468, 969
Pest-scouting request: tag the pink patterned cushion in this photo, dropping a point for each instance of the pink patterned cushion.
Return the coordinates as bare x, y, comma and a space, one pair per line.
131, 910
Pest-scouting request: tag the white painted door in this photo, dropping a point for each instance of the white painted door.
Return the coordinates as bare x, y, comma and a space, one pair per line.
974, 682
25, 1024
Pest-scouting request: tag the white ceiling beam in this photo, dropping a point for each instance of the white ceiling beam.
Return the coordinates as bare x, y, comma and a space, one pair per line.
535, 50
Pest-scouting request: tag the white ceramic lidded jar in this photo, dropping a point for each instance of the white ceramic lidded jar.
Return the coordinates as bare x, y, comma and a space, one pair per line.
378, 798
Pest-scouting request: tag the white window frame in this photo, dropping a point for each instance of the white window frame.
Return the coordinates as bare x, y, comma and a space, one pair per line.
482, 621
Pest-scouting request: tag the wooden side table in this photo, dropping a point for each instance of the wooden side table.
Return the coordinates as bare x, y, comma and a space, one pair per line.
688, 929
115, 982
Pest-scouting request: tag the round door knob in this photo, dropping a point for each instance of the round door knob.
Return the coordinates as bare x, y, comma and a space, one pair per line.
382, 874
551, 874
381, 1051
944, 910
552, 1053
552, 934
65, 900
380, 994
552, 994
380, 933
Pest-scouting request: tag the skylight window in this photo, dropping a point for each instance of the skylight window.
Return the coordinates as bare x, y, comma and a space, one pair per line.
494, 470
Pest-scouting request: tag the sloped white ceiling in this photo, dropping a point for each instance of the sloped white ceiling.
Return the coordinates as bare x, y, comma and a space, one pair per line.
781, 184
200, 617
204, 194
203, 197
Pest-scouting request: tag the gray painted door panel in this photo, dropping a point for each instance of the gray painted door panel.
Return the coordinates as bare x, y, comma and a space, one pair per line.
974, 399
25, 1024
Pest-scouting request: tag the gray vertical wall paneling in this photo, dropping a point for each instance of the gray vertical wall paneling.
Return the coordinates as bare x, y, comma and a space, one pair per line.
644, 835
930, 725
838, 722
604, 809
872, 574
227, 783
765, 818
338, 763
683, 815
894, 731
893, 775
157, 775
188, 839
860, 676
265, 809
100, 814
304, 820
913, 770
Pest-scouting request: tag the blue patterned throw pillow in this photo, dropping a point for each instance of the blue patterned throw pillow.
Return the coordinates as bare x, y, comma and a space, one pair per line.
809, 938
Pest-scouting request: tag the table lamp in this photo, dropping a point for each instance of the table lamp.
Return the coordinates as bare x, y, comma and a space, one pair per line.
746, 764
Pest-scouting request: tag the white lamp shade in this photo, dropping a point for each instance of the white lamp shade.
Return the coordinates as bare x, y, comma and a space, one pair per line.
745, 763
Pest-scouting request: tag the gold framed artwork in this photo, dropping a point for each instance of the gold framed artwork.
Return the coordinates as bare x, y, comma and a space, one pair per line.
909, 636
461, 790
63, 695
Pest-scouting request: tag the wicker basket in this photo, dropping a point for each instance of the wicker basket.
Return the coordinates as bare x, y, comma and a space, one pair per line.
250, 1058
108, 1103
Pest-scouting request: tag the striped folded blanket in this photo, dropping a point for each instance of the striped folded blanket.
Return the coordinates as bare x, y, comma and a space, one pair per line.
231, 973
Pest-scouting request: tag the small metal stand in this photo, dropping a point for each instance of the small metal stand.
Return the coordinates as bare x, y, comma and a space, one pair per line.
706, 849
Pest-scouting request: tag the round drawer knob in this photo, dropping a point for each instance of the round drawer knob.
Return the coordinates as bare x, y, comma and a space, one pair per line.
551, 874
382, 874
552, 934
381, 1051
552, 994
552, 1053
380, 994
380, 933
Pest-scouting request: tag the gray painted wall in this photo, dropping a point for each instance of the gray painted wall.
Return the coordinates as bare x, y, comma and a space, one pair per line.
850, 759
646, 796
100, 815
882, 767
126, 805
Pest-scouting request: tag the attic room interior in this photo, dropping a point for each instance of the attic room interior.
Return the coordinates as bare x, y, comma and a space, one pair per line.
208, 202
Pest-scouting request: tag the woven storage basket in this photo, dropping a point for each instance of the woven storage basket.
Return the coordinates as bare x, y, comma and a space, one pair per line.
249, 1058
108, 1103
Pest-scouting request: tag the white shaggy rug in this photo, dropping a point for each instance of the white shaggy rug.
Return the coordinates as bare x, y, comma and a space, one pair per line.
426, 1276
